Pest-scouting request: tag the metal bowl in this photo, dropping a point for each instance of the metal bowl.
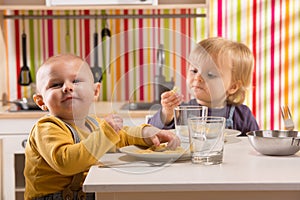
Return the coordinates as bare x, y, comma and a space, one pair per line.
275, 142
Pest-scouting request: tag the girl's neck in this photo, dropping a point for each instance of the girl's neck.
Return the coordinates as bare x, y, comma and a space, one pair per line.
216, 105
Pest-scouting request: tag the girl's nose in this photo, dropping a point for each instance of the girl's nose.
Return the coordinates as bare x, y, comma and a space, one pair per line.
198, 77
67, 87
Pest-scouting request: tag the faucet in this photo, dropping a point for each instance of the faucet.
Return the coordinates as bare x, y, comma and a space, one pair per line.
160, 83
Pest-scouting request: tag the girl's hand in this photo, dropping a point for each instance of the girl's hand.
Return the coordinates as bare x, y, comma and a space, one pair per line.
169, 100
115, 121
155, 136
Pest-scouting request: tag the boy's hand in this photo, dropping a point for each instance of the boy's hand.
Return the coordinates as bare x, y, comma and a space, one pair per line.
169, 100
155, 136
115, 121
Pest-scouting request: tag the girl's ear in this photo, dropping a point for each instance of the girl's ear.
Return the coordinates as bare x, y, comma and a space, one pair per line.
97, 90
38, 99
234, 87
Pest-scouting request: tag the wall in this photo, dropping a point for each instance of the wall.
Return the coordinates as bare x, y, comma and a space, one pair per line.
271, 29
133, 47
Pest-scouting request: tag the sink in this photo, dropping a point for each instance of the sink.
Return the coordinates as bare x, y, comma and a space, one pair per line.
141, 106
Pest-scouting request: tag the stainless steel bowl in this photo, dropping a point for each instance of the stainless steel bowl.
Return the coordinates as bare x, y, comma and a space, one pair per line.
275, 142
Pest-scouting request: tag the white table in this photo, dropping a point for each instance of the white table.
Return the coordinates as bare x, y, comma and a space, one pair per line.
245, 174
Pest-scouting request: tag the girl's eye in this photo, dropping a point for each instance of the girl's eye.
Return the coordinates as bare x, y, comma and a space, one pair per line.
211, 75
76, 81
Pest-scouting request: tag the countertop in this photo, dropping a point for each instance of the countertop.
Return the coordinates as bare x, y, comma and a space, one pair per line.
243, 169
26, 119
99, 108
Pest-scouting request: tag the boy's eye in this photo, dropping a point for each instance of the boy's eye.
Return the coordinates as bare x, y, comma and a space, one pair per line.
194, 70
56, 85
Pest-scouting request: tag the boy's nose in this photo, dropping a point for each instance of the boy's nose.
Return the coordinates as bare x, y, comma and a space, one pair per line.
67, 87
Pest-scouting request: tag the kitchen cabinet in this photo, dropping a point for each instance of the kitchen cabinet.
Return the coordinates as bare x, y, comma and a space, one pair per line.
12, 156
15, 127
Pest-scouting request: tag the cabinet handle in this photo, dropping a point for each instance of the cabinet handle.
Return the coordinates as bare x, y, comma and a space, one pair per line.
24, 143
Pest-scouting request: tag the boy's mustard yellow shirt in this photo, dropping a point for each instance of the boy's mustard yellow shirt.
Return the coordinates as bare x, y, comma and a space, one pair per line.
52, 158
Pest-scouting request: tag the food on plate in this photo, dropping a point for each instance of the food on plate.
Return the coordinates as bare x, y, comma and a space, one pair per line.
175, 89
162, 148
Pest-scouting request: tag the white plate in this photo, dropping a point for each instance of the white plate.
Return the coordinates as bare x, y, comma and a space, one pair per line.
155, 156
230, 136
231, 132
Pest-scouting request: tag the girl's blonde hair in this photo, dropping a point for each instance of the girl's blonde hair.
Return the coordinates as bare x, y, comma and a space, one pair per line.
217, 51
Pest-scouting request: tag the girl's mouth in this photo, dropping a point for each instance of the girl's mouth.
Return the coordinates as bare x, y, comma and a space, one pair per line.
67, 99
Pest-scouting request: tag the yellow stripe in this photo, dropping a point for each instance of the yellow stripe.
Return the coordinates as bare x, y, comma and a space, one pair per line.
174, 47
112, 67
211, 16
248, 16
293, 53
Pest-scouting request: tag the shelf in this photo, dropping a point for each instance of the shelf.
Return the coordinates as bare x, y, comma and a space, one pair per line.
20, 189
41, 5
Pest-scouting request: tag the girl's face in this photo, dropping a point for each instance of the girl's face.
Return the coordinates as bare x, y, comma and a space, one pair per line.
209, 84
67, 89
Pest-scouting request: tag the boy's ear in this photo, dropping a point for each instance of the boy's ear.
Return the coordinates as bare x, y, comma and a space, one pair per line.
234, 87
97, 90
38, 99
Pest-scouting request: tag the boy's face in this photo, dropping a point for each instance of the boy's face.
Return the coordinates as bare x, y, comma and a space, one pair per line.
209, 84
67, 88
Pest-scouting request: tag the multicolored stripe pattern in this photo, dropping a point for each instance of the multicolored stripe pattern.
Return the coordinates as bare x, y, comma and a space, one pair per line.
130, 65
271, 29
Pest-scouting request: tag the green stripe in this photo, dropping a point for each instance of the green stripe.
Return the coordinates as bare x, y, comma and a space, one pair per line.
104, 75
75, 34
239, 20
166, 25
195, 27
203, 26
68, 45
39, 54
31, 47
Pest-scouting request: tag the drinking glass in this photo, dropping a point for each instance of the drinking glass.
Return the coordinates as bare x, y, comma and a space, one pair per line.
206, 137
181, 116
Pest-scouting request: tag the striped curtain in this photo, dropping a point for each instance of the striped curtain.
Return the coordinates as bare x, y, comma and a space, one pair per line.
271, 29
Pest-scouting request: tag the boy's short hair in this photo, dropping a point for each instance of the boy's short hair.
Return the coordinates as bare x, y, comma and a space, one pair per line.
219, 51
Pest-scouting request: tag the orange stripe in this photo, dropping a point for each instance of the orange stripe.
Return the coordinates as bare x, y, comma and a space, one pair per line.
286, 57
6, 55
